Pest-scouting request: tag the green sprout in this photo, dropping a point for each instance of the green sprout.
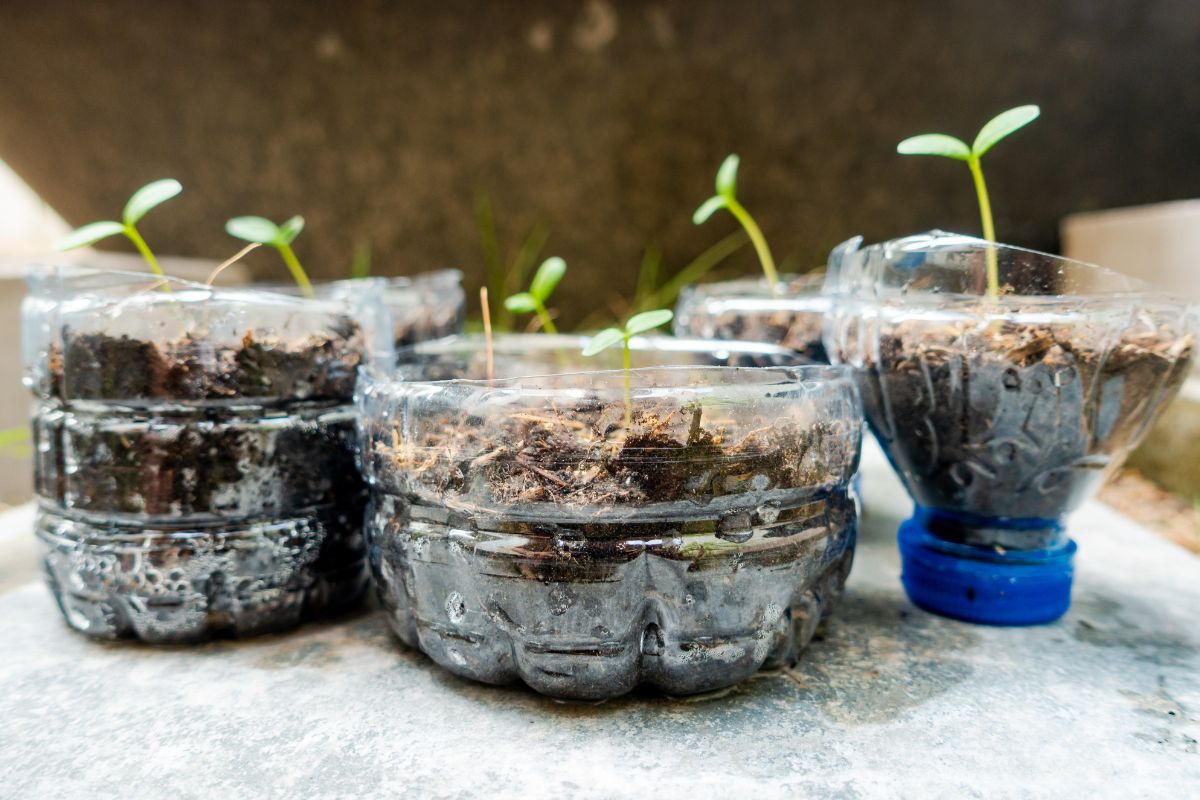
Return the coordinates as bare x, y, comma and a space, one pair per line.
638, 323
726, 198
262, 231
939, 144
360, 263
142, 201
540, 288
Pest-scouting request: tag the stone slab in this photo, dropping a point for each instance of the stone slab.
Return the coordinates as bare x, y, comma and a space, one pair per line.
891, 702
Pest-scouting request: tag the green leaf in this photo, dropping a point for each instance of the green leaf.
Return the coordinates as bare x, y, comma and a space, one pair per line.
254, 229
523, 303
602, 341
727, 175
89, 234
149, 196
1002, 125
647, 321
707, 209
934, 144
547, 277
289, 230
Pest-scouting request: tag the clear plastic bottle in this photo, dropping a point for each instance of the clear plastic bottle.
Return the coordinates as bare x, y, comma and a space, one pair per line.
586, 532
1001, 414
195, 452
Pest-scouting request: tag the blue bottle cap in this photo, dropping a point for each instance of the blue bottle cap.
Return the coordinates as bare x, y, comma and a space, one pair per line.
990, 586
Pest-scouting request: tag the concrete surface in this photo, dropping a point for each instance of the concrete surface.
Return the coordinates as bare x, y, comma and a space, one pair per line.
893, 702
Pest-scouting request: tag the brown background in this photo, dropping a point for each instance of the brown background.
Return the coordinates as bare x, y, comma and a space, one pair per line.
384, 122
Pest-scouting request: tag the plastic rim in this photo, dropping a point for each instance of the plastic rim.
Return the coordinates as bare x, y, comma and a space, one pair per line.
977, 584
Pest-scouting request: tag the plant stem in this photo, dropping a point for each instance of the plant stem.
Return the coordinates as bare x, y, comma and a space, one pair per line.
989, 229
757, 239
132, 234
298, 274
628, 385
487, 331
544, 316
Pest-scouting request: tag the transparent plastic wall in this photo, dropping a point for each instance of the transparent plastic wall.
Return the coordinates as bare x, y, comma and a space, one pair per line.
1002, 412
195, 452
540, 528
793, 315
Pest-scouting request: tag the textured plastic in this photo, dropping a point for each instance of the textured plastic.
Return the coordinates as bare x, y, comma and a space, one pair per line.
597, 568
1001, 415
196, 452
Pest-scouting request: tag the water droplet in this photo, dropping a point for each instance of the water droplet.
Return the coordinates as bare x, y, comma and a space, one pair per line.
561, 598
456, 607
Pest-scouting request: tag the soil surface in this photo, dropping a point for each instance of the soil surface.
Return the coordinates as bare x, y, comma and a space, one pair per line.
1028, 423
585, 456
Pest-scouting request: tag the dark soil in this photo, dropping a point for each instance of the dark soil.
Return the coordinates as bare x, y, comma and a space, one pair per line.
98, 366
1026, 425
434, 324
200, 462
796, 330
581, 456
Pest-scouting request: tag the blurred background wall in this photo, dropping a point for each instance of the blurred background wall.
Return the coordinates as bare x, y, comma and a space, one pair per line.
405, 126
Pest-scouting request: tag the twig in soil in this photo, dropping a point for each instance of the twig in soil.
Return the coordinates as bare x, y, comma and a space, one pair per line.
550, 476
567, 423
662, 423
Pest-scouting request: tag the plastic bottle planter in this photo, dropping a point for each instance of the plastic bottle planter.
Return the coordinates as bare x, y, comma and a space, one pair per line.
422, 307
1000, 414
522, 529
747, 310
195, 454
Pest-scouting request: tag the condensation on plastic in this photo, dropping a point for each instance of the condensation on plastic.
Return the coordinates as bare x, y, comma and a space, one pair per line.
582, 598
195, 452
996, 445
793, 316
179, 583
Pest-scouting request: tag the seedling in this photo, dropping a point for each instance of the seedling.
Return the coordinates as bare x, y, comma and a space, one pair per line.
726, 198
262, 231
142, 201
360, 264
638, 323
534, 301
939, 144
